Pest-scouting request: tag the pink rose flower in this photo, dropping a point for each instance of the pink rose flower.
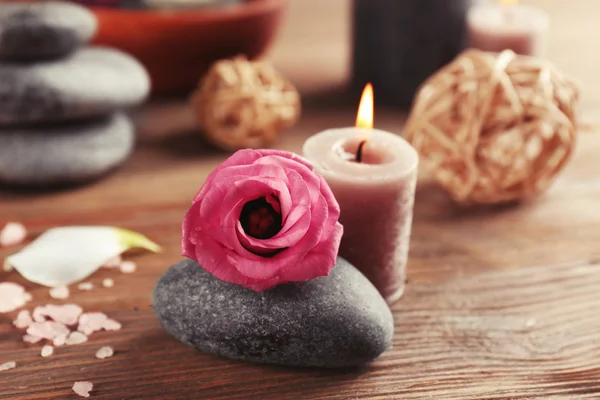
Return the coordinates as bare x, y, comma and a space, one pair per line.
263, 218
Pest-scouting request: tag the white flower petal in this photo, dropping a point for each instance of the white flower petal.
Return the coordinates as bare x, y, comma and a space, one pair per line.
65, 255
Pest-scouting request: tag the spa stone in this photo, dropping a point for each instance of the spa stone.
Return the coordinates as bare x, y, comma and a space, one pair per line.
65, 153
43, 30
93, 81
335, 321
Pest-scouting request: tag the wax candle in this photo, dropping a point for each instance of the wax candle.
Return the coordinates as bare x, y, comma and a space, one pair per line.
373, 175
507, 25
398, 44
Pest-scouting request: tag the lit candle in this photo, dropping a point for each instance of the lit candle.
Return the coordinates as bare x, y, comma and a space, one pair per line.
507, 25
373, 175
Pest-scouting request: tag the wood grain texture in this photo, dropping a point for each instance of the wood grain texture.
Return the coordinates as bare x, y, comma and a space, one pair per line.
501, 303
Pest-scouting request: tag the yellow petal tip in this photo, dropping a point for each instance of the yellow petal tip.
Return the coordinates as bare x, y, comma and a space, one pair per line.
131, 239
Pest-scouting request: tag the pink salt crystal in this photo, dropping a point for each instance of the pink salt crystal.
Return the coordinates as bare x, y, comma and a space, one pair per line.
111, 325
76, 338
47, 330
114, 262
127, 267
83, 389
60, 340
8, 365
104, 352
91, 322
67, 314
47, 351
12, 297
85, 286
59, 292
31, 339
108, 283
23, 319
12, 234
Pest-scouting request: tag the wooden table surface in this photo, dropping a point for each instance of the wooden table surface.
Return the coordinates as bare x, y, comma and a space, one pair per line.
502, 303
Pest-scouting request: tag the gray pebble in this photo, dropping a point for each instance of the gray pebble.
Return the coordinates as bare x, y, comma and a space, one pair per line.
94, 81
64, 153
334, 321
43, 30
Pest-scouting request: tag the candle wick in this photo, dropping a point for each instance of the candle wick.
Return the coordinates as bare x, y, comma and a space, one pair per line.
359, 151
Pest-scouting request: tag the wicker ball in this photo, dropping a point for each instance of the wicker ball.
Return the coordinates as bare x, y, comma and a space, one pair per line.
494, 127
244, 104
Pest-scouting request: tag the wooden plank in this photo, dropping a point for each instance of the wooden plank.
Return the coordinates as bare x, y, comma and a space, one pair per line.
501, 302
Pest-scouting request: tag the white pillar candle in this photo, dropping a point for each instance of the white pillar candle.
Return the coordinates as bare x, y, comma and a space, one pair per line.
506, 25
373, 175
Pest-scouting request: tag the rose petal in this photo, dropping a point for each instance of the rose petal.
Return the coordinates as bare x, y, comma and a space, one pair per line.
83, 389
279, 156
12, 234
240, 157
65, 255
12, 296
294, 227
319, 261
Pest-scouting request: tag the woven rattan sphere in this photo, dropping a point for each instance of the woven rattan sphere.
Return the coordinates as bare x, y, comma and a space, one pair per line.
244, 104
494, 127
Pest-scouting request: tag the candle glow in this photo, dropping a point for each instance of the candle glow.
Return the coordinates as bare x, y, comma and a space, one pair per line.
364, 118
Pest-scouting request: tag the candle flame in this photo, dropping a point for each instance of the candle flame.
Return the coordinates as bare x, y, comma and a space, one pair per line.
508, 2
364, 118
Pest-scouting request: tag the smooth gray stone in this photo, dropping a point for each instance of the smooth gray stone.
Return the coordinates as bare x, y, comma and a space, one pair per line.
93, 81
43, 30
65, 153
335, 321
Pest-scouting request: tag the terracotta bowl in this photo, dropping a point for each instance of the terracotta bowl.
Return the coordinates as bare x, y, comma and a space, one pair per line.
177, 47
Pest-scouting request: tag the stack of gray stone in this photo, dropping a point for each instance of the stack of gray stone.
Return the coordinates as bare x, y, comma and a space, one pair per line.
62, 103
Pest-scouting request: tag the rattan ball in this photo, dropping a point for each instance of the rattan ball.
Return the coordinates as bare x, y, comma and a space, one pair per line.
494, 127
244, 104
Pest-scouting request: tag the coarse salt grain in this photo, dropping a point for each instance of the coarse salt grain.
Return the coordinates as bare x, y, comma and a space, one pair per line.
111, 325
59, 292
104, 352
87, 286
47, 330
12, 234
47, 351
127, 267
12, 296
91, 322
31, 339
76, 338
23, 320
83, 389
108, 283
114, 262
67, 314
60, 340
8, 365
